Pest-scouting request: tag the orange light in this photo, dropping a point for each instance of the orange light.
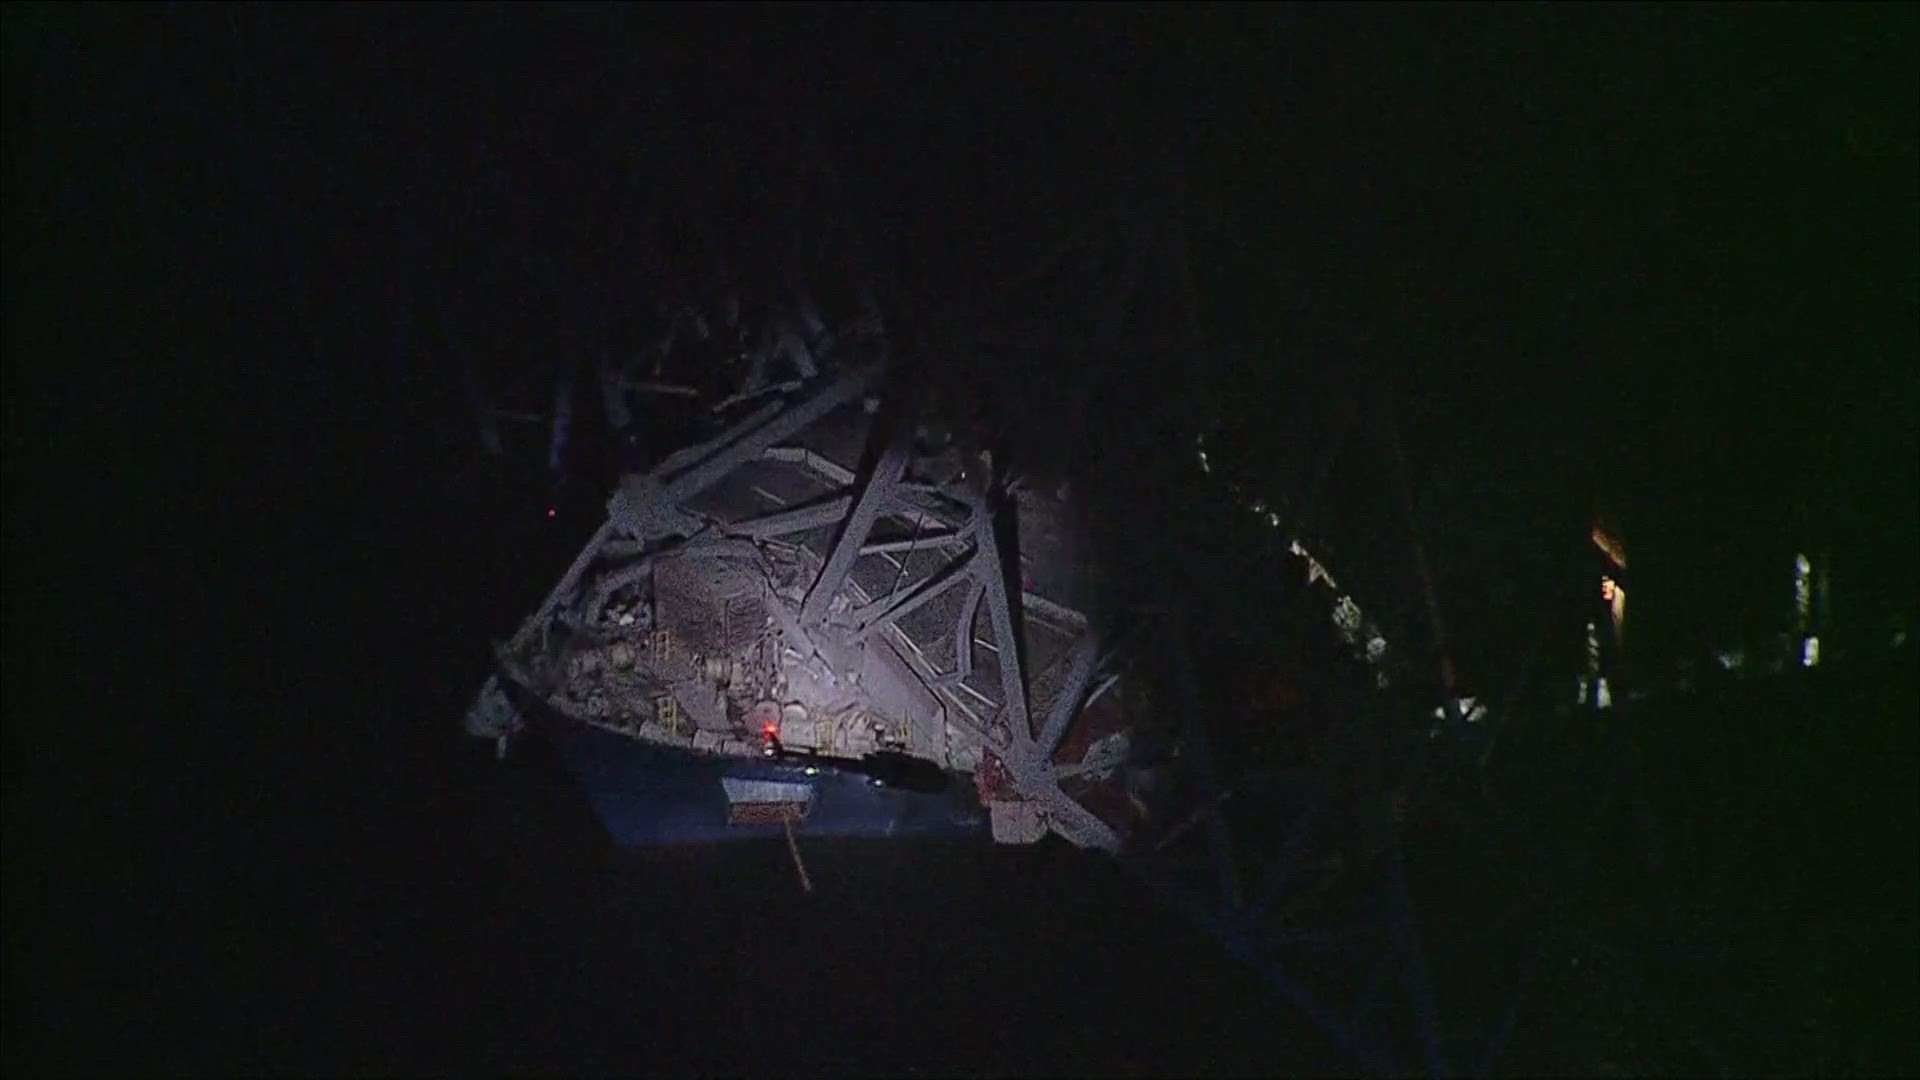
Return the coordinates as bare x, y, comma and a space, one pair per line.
1609, 546
1616, 600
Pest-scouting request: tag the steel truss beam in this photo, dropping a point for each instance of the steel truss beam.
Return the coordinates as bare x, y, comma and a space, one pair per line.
939, 538
650, 507
794, 519
991, 573
888, 611
872, 502
756, 435
1073, 689
963, 631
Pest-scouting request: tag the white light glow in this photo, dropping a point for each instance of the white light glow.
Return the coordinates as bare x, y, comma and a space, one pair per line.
1346, 614
1469, 709
1810, 652
1616, 598
1802, 588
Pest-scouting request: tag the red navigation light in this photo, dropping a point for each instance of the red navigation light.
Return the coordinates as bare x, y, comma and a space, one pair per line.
769, 729
550, 511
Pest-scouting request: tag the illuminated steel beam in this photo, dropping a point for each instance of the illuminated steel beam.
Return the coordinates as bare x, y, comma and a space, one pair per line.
832, 471
1079, 825
1059, 614
1073, 688
924, 541
683, 458
963, 632
1610, 546
992, 575
794, 519
873, 501
882, 613
753, 443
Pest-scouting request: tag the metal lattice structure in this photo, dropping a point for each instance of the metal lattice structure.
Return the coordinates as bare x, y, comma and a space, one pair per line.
845, 564
864, 606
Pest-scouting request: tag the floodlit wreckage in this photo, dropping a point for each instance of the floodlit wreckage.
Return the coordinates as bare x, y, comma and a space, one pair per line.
817, 615
817, 618
830, 611
834, 611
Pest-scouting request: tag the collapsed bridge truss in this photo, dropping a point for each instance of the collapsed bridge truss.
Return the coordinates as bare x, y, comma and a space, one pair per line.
835, 570
767, 581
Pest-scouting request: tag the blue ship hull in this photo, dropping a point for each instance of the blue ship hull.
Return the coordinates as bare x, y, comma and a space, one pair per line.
646, 794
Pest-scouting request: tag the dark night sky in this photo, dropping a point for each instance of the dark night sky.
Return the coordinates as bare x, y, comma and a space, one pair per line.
1651, 261
1656, 261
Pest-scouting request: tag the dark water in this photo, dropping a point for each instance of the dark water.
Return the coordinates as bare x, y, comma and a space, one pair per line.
264, 848
244, 837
